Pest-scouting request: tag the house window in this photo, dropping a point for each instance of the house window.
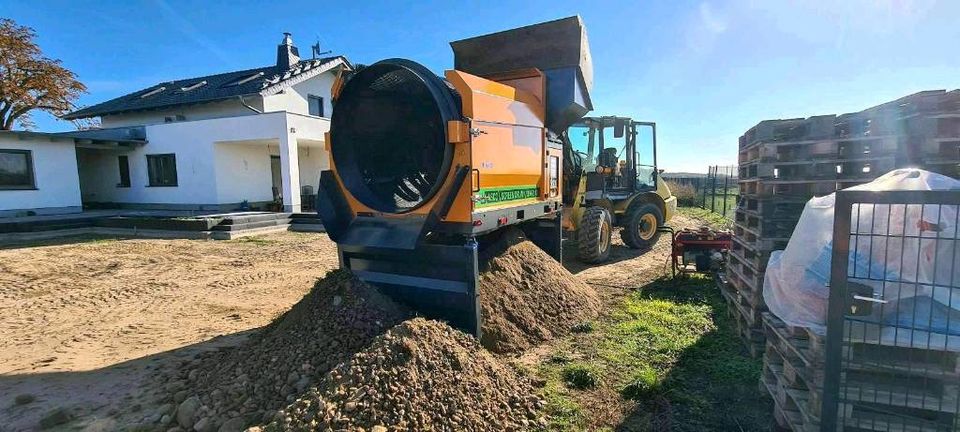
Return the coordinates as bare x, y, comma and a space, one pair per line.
124, 163
162, 169
316, 105
16, 169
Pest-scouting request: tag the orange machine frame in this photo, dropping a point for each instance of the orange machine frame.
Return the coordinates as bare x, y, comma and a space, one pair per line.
504, 142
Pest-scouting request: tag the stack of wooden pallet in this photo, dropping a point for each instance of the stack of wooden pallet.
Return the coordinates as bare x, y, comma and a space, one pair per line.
883, 388
783, 163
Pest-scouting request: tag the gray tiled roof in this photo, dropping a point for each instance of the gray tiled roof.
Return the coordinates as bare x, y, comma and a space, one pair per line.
265, 81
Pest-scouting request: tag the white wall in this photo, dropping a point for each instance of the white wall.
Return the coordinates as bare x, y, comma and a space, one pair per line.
312, 161
219, 161
226, 108
55, 172
243, 171
294, 99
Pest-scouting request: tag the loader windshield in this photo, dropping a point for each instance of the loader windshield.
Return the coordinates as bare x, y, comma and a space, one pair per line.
583, 140
630, 159
645, 154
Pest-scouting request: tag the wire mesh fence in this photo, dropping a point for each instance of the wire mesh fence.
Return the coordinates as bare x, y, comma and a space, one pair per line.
893, 338
717, 190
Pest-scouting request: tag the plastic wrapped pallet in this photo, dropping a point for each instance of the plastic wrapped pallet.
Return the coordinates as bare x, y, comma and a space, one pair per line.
796, 281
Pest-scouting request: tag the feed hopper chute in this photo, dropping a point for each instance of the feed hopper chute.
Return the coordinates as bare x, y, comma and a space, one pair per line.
559, 49
423, 168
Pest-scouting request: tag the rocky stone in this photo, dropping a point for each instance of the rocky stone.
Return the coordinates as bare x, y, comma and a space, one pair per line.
23, 399
204, 425
235, 424
187, 412
180, 396
55, 417
166, 408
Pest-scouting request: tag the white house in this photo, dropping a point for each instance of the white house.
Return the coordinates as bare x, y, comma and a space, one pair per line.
244, 139
38, 173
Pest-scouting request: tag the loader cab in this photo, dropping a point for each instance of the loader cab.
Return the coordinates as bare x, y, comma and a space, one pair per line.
616, 154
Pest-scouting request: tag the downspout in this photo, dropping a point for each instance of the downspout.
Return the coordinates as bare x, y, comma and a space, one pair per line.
244, 103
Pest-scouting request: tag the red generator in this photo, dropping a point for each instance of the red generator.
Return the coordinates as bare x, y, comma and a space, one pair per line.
704, 248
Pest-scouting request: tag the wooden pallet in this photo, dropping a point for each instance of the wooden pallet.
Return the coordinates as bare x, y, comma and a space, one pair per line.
751, 335
820, 148
758, 243
874, 395
772, 208
751, 313
750, 279
756, 259
771, 227
813, 170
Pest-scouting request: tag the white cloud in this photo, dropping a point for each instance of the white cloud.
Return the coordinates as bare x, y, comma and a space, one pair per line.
711, 20
189, 30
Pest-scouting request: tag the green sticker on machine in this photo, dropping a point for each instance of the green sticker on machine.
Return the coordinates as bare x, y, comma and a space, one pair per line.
497, 195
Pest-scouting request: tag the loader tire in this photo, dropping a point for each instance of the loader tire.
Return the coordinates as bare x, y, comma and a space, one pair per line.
593, 236
640, 229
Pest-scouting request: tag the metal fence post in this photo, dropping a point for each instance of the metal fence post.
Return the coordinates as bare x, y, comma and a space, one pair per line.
703, 189
713, 190
726, 183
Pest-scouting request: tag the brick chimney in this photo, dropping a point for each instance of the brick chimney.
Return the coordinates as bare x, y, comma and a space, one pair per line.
287, 54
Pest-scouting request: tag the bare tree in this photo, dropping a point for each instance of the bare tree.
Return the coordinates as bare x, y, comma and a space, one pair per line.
29, 81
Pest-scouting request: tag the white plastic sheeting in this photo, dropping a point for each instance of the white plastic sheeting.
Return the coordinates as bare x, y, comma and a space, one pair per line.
906, 254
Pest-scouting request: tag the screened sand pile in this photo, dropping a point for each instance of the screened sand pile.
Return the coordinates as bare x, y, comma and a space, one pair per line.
420, 375
249, 383
330, 362
527, 297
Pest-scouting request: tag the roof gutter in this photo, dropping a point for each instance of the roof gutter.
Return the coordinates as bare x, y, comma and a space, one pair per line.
245, 104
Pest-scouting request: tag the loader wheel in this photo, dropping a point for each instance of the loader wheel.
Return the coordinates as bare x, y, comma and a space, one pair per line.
593, 236
640, 229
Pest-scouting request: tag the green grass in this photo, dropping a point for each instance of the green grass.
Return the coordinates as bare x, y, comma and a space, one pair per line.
715, 220
671, 350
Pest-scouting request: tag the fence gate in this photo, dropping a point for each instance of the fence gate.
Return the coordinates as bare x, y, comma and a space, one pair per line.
892, 354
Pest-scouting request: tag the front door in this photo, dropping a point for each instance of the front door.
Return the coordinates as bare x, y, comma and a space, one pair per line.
275, 177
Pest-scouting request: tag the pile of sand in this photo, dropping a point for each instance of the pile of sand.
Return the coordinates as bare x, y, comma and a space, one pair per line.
420, 375
330, 363
527, 297
249, 383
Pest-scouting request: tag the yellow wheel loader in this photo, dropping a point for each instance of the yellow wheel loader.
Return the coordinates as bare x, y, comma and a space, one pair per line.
612, 181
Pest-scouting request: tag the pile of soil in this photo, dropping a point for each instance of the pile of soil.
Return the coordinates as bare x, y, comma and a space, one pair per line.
527, 297
250, 383
330, 363
420, 375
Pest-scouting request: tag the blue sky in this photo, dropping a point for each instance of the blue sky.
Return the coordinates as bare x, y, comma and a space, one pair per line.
705, 71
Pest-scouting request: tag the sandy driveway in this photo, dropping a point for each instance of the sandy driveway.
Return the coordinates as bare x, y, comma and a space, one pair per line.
84, 314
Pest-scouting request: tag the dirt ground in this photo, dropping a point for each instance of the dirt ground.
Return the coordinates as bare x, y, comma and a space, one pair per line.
84, 323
